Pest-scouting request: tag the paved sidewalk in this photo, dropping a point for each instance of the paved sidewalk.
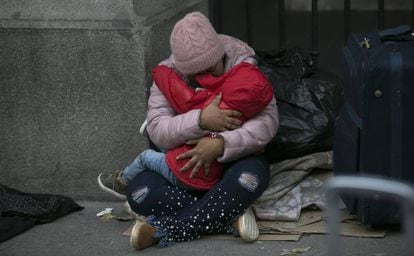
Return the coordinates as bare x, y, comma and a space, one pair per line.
82, 233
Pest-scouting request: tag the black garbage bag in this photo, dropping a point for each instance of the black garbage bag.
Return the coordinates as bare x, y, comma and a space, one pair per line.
308, 101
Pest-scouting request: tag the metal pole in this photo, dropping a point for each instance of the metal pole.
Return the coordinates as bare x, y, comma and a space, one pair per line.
315, 49
334, 241
282, 24
381, 14
347, 19
215, 14
249, 23
412, 12
404, 193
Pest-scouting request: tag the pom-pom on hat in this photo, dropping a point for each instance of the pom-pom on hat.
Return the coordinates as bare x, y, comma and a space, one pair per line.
195, 44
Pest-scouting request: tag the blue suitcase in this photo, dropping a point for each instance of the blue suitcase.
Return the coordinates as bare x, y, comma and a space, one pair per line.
374, 133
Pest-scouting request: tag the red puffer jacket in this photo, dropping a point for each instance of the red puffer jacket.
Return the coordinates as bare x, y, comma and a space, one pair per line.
244, 88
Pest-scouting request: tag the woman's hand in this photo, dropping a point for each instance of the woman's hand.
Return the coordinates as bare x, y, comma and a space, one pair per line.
214, 119
206, 151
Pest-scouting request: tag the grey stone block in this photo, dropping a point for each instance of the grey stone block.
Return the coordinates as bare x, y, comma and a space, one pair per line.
73, 89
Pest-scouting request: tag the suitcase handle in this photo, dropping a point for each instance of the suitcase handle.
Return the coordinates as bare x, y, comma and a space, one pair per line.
400, 33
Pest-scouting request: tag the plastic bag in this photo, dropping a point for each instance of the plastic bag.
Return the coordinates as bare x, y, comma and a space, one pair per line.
308, 103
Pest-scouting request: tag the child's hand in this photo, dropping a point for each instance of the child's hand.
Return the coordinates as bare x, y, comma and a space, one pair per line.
206, 151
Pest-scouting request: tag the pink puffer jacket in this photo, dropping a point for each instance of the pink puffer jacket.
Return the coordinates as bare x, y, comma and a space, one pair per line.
244, 88
167, 129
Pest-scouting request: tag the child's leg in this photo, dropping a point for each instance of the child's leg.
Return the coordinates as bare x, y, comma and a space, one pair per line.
116, 183
149, 160
151, 194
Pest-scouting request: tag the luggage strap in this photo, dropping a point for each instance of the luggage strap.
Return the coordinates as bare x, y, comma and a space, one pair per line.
400, 33
353, 115
396, 114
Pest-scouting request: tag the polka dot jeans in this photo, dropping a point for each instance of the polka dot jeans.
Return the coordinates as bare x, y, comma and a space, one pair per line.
180, 215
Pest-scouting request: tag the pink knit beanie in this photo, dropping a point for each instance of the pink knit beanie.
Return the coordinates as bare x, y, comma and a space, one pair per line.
195, 44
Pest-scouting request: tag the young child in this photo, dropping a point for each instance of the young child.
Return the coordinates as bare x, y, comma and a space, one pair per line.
243, 88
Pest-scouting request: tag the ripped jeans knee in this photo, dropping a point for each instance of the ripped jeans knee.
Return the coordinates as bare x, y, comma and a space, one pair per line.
151, 194
136, 198
140, 194
252, 174
248, 181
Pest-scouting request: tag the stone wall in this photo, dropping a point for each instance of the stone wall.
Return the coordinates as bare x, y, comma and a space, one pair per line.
74, 77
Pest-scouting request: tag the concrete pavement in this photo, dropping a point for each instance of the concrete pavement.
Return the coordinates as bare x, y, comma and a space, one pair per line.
82, 233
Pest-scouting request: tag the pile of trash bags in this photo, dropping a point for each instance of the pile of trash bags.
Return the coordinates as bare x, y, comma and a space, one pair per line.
308, 101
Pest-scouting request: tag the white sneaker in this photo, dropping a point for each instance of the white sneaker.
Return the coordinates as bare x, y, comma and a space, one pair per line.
247, 227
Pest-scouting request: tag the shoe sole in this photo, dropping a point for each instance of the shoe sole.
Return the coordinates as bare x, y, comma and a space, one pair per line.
248, 229
143, 127
110, 191
138, 240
